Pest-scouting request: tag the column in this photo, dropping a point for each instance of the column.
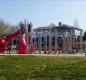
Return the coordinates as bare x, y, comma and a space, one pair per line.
85, 47
39, 40
35, 38
56, 44
81, 42
45, 41
50, 41
63, 49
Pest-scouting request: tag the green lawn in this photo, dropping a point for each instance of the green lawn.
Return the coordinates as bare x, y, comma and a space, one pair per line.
42, 68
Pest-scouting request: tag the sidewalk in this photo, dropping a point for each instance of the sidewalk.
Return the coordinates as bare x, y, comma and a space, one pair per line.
77, 54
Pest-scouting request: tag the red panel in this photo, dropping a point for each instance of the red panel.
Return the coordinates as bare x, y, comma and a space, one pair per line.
2, 44
4, 40
11, 36
22, 46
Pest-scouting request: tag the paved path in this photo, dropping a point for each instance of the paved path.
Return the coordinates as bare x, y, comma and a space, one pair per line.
77, 54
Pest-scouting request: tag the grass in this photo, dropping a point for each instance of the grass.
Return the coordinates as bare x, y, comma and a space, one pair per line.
42, 68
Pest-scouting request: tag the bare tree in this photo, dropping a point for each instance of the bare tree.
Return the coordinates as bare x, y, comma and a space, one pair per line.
76, 23
12, 29
52, 24
6, 28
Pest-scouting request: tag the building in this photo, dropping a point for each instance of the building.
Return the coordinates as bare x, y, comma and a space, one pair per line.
61, 29
66, 32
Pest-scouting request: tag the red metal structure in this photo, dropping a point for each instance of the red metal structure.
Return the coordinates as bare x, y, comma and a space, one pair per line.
21, 46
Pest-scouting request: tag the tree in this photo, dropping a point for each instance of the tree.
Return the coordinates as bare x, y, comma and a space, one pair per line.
52, 24
13, 29
76, 23
4, 28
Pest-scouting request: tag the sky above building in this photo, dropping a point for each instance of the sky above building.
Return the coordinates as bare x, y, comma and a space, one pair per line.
44, 12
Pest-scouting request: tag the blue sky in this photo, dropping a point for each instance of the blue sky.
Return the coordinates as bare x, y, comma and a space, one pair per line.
43, 12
